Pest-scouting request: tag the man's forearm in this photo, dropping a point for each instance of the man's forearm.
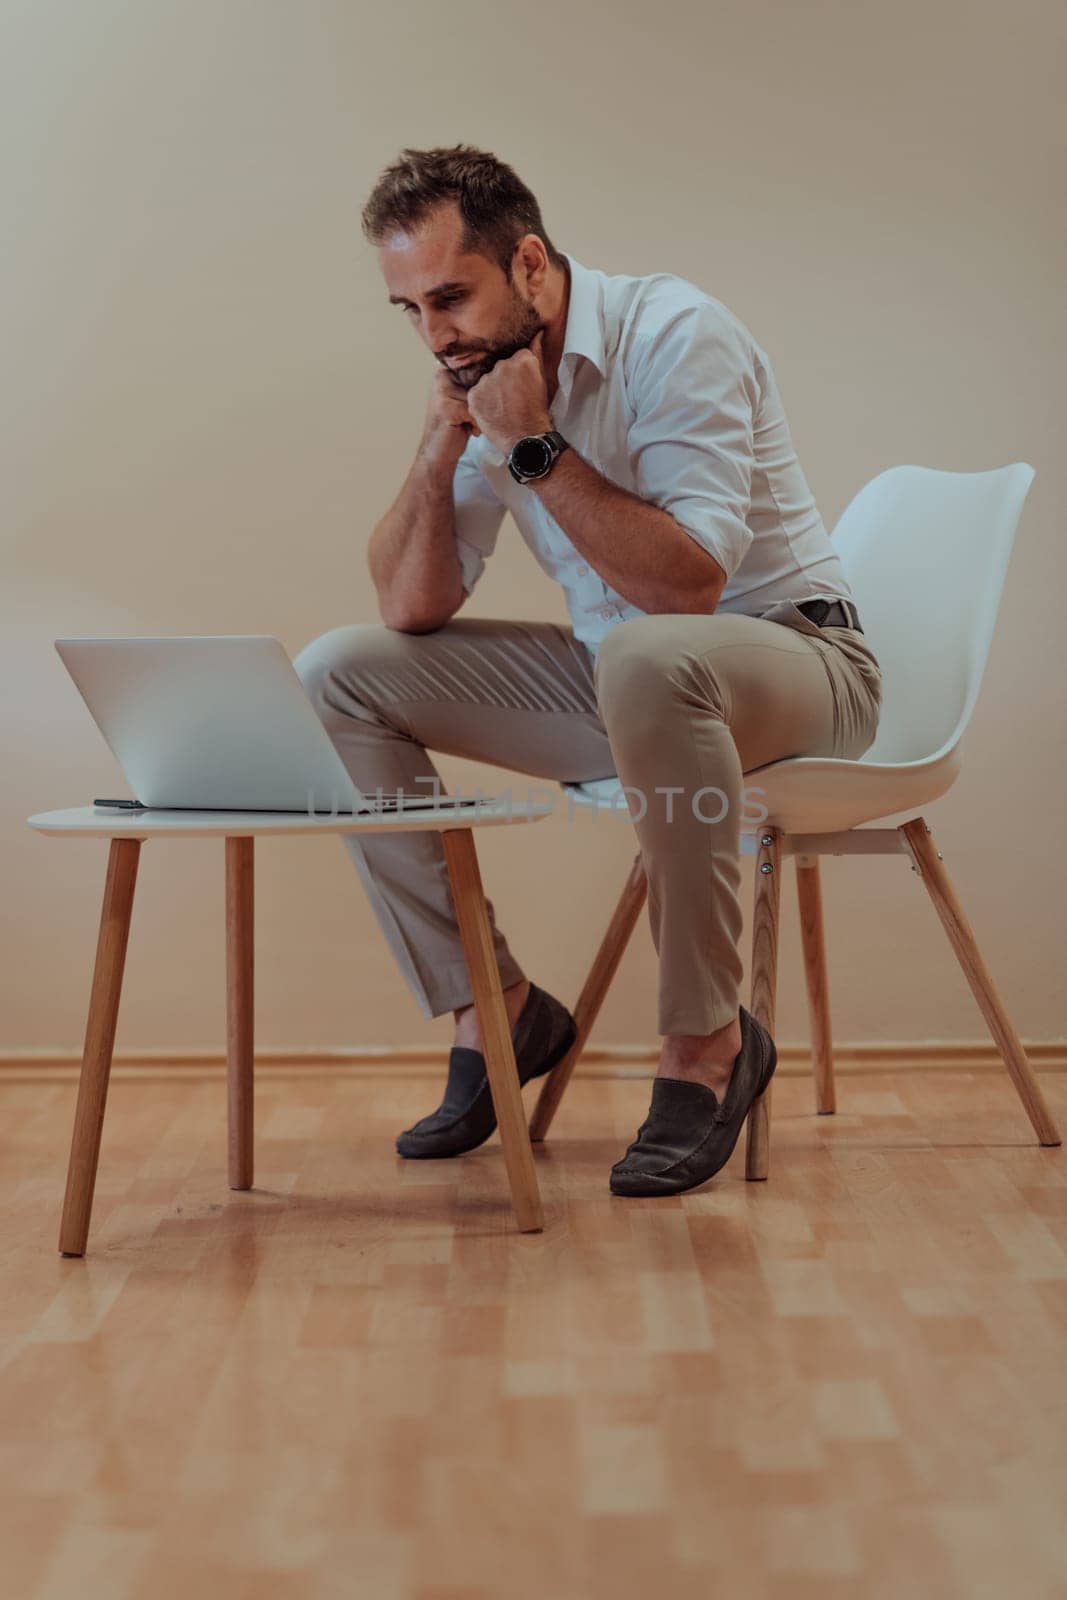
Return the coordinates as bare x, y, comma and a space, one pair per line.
412, 553
638, 549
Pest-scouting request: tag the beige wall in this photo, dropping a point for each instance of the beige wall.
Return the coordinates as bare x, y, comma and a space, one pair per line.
207, 404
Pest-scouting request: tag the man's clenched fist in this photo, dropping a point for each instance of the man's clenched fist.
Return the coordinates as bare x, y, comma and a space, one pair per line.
511, 399
449, 423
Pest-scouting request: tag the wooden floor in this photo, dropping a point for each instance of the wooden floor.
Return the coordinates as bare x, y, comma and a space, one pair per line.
359, 1380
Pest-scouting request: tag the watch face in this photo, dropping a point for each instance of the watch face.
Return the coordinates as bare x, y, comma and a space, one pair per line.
532, 456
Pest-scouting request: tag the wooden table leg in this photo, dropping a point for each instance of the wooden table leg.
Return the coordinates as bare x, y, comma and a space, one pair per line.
240, 1007
501, 1069
112, 939
764, 987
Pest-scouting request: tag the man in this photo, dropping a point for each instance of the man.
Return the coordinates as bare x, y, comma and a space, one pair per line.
633, 428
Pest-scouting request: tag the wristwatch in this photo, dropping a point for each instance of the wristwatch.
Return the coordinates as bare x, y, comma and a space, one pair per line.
532, 457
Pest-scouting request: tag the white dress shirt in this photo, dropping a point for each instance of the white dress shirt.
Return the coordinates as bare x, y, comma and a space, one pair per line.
666, 393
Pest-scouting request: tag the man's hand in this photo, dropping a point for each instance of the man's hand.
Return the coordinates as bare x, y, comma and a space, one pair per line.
511, 400
449, 423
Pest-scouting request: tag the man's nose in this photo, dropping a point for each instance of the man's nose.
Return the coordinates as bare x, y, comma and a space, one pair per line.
440, 335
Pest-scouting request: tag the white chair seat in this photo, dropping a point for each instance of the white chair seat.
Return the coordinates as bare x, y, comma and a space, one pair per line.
817, 794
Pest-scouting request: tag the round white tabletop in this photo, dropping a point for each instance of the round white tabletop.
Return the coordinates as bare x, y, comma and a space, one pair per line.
92, 822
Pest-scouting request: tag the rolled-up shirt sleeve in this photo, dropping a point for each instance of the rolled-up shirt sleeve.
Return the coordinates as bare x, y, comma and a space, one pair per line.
695, 392
479, 513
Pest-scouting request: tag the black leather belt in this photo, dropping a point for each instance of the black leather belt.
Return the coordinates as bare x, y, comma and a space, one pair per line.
831, 613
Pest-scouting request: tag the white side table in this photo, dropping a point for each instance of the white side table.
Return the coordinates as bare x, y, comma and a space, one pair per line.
128, 831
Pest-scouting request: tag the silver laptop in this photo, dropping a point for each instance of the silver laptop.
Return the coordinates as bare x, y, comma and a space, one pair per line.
216, 723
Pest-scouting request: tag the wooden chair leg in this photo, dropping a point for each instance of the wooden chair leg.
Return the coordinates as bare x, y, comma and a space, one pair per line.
809, 900
240, 1008
112, 939
500, 1065
596, 986
928, 861
764, 987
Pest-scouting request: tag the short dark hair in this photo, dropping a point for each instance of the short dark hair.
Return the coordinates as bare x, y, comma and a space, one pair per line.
496, 206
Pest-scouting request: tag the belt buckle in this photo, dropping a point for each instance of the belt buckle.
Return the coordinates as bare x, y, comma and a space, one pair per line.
825, 607
815, 610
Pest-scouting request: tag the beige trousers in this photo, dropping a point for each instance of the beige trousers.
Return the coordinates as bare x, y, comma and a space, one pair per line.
678, 706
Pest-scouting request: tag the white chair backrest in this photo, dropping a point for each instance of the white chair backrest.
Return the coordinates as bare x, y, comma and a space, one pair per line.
926, 553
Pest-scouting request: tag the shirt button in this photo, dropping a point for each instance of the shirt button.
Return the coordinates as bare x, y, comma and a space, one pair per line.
582, 571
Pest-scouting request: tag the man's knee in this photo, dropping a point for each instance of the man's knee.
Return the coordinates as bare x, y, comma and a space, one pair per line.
337, 652
637, 660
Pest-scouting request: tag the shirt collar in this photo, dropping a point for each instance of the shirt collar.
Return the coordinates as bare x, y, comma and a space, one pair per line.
584, 335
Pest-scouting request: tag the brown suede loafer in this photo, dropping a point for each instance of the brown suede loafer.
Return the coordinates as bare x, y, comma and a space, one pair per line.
542, 1035
687, 1135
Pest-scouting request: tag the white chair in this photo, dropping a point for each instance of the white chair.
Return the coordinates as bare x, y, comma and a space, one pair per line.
926, 553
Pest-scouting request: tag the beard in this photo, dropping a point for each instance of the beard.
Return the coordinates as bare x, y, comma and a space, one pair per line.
516, 334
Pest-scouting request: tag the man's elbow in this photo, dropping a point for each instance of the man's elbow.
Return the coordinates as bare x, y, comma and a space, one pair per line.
407, 623
425, 621
413, 625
